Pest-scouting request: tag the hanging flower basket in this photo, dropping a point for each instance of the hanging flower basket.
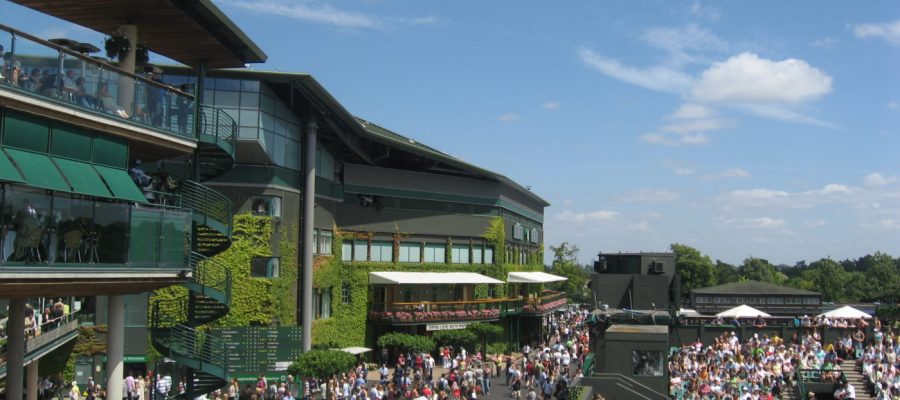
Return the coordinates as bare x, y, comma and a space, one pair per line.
117, 46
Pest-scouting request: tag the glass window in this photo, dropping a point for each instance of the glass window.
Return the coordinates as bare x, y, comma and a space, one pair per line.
250, 101
249, 118
460, 254
345, 293
107, 242
292, 154
27, 212
435, 253
488, 255
264, 267
228, 99
477, 253
410, 252
647, 363
266, 205
323, 241
250, 86
73, 218
360, 250
325, 311
324, 163
228, 84
776, 300
381, 251
346, 251
248, 133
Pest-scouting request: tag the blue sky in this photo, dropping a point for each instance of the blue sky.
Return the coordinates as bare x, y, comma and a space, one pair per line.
741, 128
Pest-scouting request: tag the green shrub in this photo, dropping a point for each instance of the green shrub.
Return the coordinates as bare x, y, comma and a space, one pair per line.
322, 364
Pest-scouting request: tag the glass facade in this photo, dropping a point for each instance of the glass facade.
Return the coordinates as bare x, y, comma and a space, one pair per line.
46, 227
382, 251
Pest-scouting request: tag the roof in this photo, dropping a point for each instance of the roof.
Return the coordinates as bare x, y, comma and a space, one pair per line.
752, 287
328, 105
187, 31
428, 278
742, 311
533, 277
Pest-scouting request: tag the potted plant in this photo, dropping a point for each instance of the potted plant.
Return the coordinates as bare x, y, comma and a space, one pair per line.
117, 46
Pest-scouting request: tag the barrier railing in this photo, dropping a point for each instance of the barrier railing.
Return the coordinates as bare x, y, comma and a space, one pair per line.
46, 70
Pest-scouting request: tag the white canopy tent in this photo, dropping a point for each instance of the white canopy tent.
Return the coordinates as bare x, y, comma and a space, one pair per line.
845, 312
429, 278
356, 350
533, 277
742, 311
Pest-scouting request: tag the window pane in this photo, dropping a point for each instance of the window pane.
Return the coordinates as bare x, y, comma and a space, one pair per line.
346, 251
249, 101
488, 255
476, 255
381, 251
460, 254
360, 251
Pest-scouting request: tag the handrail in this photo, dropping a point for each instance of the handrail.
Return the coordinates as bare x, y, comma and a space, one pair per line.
206, 201
217, 123
92, 60
211, 273
101, 88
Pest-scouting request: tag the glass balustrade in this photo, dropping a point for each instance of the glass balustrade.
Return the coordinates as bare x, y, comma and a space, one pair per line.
42, 69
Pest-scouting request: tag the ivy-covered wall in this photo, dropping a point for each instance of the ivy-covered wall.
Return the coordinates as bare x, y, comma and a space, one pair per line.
254, 300
347, 325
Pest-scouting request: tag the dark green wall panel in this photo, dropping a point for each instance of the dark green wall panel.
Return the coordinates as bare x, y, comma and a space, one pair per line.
111, 152
71, 142
26, 132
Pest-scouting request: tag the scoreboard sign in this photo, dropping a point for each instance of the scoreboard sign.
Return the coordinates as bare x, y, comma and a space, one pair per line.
260, 350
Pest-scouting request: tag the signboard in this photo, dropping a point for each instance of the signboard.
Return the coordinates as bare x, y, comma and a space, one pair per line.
446, 327
256, 350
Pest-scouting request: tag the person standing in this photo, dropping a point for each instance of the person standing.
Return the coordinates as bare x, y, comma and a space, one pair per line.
130, 386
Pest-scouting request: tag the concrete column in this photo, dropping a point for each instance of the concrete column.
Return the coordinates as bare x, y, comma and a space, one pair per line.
309, 203
115, 347
126, 62
32, 381
15, 353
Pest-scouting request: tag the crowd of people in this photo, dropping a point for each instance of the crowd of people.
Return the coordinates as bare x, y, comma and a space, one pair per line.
762, 366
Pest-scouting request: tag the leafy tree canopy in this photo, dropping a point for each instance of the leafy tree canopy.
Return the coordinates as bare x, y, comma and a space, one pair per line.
696, 270
322, 364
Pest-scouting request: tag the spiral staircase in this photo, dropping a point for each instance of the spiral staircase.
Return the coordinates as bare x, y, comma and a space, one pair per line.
176, 325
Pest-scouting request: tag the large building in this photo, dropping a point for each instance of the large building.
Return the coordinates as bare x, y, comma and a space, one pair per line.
641, 281
269, 204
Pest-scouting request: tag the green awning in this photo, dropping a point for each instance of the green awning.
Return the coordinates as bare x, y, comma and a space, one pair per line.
8, 171
38, 170
82, 177
121, 184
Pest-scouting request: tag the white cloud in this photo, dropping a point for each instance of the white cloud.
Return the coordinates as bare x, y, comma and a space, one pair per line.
684, 171
692, 111
675, 140
893, 105
684, 127
747, 78
877, 179
510, 117
889, 31
600, 215
757, 194
551, 105
833, 188
677, 42
702, 11
736, 172
653, 196
657, 78
756, 223
825, 43
782, 113
310, 11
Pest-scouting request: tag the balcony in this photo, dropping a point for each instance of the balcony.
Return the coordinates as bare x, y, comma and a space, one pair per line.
51, 335
65, 79
72, 244
411, 313
547, 301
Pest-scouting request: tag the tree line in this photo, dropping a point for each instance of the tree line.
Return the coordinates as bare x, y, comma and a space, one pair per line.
871, 278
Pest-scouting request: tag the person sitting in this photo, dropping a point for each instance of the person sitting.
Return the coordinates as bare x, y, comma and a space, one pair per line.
82, 96
109, 104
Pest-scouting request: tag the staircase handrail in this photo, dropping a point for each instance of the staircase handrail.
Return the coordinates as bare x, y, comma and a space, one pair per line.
217, 123
207, 202
211, 273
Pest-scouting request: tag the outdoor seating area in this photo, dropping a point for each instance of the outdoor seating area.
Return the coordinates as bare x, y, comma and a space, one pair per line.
63, 70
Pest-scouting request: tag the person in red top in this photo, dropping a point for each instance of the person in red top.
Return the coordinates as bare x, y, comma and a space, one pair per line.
401, 362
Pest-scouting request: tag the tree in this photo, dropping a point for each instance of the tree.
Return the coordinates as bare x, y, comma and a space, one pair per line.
456, 338
882, 276
696, 270
758, 269
484, 332
725, 273
322, 364
406, 342
565, 263
829, 278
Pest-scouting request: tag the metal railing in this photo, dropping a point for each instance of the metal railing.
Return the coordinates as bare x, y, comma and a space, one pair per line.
208, 203
47, 331
217, 124
46, 70
196, 345
211, 274
442, 310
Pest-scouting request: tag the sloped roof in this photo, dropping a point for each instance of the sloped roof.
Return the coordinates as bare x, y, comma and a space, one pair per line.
533, 277
752, 287
429, 278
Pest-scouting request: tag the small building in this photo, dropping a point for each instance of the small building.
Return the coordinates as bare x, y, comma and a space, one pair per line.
645, 377
768, 297
640, 281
